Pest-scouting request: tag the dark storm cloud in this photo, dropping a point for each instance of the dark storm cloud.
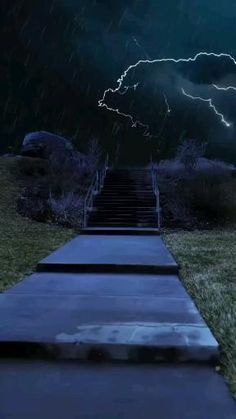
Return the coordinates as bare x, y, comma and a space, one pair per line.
89, 43
163, 86
208, 70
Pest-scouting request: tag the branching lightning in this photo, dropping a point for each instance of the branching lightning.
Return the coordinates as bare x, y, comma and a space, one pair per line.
223, 120
136, 123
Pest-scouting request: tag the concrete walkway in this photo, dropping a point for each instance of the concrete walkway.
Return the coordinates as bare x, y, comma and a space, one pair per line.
109, 297
49, 390
122, 315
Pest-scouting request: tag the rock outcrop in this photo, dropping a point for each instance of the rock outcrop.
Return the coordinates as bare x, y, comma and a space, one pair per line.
43, 144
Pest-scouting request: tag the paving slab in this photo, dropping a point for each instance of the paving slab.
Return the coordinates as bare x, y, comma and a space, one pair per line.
92, 391
46, 283
118, 253
109, 327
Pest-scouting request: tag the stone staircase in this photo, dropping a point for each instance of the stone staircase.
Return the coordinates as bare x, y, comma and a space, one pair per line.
126, 200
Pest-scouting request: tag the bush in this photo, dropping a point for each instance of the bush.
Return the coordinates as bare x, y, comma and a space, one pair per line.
189, 152
54, 188
66, 175
203, 198
67, 210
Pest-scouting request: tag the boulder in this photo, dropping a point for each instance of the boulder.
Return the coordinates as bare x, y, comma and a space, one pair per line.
42, 144
45, 145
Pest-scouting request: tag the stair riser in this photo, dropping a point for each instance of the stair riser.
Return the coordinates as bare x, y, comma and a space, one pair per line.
123, 198
113, 192
126, 196
127, 190
123, 219
118, 203
122, 213
123, 224
117, 208
128, 182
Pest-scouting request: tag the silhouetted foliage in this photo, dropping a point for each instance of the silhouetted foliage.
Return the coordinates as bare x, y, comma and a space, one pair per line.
189, 152
206, 197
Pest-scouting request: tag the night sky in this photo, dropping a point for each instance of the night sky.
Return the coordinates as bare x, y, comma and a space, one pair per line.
86, 45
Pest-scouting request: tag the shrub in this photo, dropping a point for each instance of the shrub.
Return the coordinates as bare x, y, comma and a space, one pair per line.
204, 197
66, 175
67, 210
56, 193
189, 152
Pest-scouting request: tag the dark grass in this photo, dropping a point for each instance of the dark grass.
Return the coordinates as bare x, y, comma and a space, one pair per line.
208, 271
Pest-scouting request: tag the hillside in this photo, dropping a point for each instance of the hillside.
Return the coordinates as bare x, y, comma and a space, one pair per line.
23, 242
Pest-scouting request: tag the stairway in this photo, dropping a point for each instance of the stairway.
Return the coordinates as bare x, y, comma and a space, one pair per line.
126, 200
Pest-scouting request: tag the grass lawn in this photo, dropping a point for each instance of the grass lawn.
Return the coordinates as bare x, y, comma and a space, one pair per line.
208, 271
22, 242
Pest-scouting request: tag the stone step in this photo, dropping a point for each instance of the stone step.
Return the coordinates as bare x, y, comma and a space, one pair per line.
125, 210
110, 209
126, 185
118, 213
120, 219
134, 178
126, 225
112, 254
128, 194
104, 327
122, 198
124, 213
117, 204
119, 172
121, 214
125, 219
125, 199
121, 223
136, 231
127, 190
112, 205
111, 215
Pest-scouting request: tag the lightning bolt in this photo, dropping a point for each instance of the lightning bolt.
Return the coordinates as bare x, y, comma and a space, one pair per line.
126, 88
167, 104
223, 120
136, 123
225, 89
